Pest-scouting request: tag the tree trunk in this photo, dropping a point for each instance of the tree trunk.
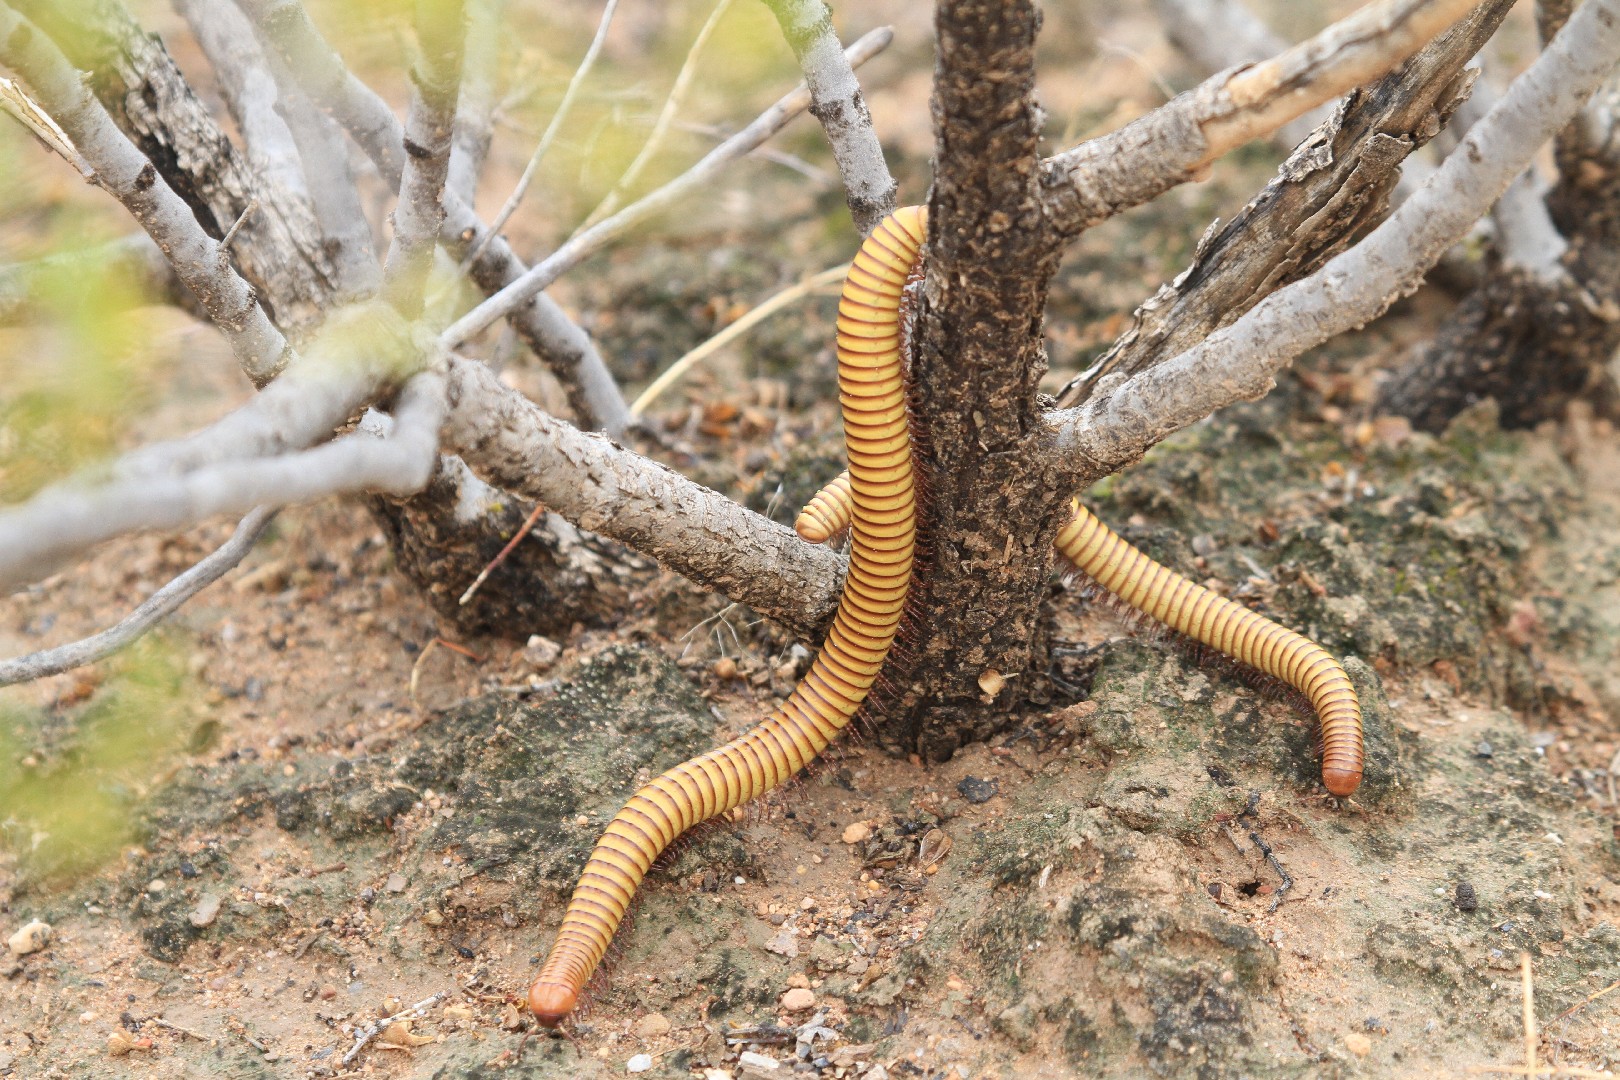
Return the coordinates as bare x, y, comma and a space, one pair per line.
987, 517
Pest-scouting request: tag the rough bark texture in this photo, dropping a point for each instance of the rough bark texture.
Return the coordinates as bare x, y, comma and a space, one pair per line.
558, 576
1326, 196
988, 518
698, 533
279, 247
1531, 346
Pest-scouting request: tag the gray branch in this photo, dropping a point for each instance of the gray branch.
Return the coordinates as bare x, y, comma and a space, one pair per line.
124, 172
279, 249
1129, 415
1331, 190
61, 521
281, 122
249, 91
357, 350
596, 484
837, 102
435, 87
1221, 34
592, 392
698, 177
163, 603
475, 115
1176, 142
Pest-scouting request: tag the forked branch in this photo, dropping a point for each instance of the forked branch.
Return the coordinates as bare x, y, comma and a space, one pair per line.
1239, 362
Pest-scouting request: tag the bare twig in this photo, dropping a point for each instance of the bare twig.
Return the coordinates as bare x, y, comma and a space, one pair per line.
377, 1027
1236, 363
1176, 142
475, 114
199, 260
494, 564
563, 346
578, 247
63, 520
666, 116
158, 1021
435, 87
163, 603
249, 89
600, 486
1221, 34
514, 200
753, 317
837, 102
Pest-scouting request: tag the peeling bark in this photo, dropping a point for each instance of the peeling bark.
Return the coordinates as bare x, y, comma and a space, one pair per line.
1326, 196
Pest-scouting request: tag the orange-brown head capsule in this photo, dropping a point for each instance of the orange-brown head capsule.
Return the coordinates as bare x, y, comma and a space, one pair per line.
551, 1003
1340, 781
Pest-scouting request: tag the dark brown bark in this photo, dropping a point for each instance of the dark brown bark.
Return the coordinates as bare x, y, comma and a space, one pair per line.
557, 576
1532, 347
1329, 192
989, 514
279, 248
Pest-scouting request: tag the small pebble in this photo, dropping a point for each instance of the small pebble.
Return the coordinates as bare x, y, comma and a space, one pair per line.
206, 911
395, 883
798, 999
857, 832
717, 1074
156, 886
652, 1026
1466, 899
433, 917
30, 939
976, 790
754, 1064
541, 652
639, 1064
1358, 1044
799, 979
328, 992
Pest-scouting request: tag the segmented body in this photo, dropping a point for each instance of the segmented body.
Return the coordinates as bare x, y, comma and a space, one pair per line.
1190, 609
883, 523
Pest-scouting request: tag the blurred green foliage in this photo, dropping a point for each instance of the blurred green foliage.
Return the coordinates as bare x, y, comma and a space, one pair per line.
69, 784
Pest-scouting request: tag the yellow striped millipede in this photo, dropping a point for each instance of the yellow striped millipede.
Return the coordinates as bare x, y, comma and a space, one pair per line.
882, 518
1192, 610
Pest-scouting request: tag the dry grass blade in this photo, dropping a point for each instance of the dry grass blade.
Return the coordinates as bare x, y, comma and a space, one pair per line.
750, 319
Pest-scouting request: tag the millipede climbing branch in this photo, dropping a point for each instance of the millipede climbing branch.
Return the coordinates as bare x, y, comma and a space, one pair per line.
882, 521
1172, 600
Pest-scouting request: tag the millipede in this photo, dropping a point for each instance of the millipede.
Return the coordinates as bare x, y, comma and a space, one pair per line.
1172, 600
881, 516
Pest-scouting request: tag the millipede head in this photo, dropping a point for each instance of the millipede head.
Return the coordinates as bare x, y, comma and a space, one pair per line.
1341, 781
551, 1002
